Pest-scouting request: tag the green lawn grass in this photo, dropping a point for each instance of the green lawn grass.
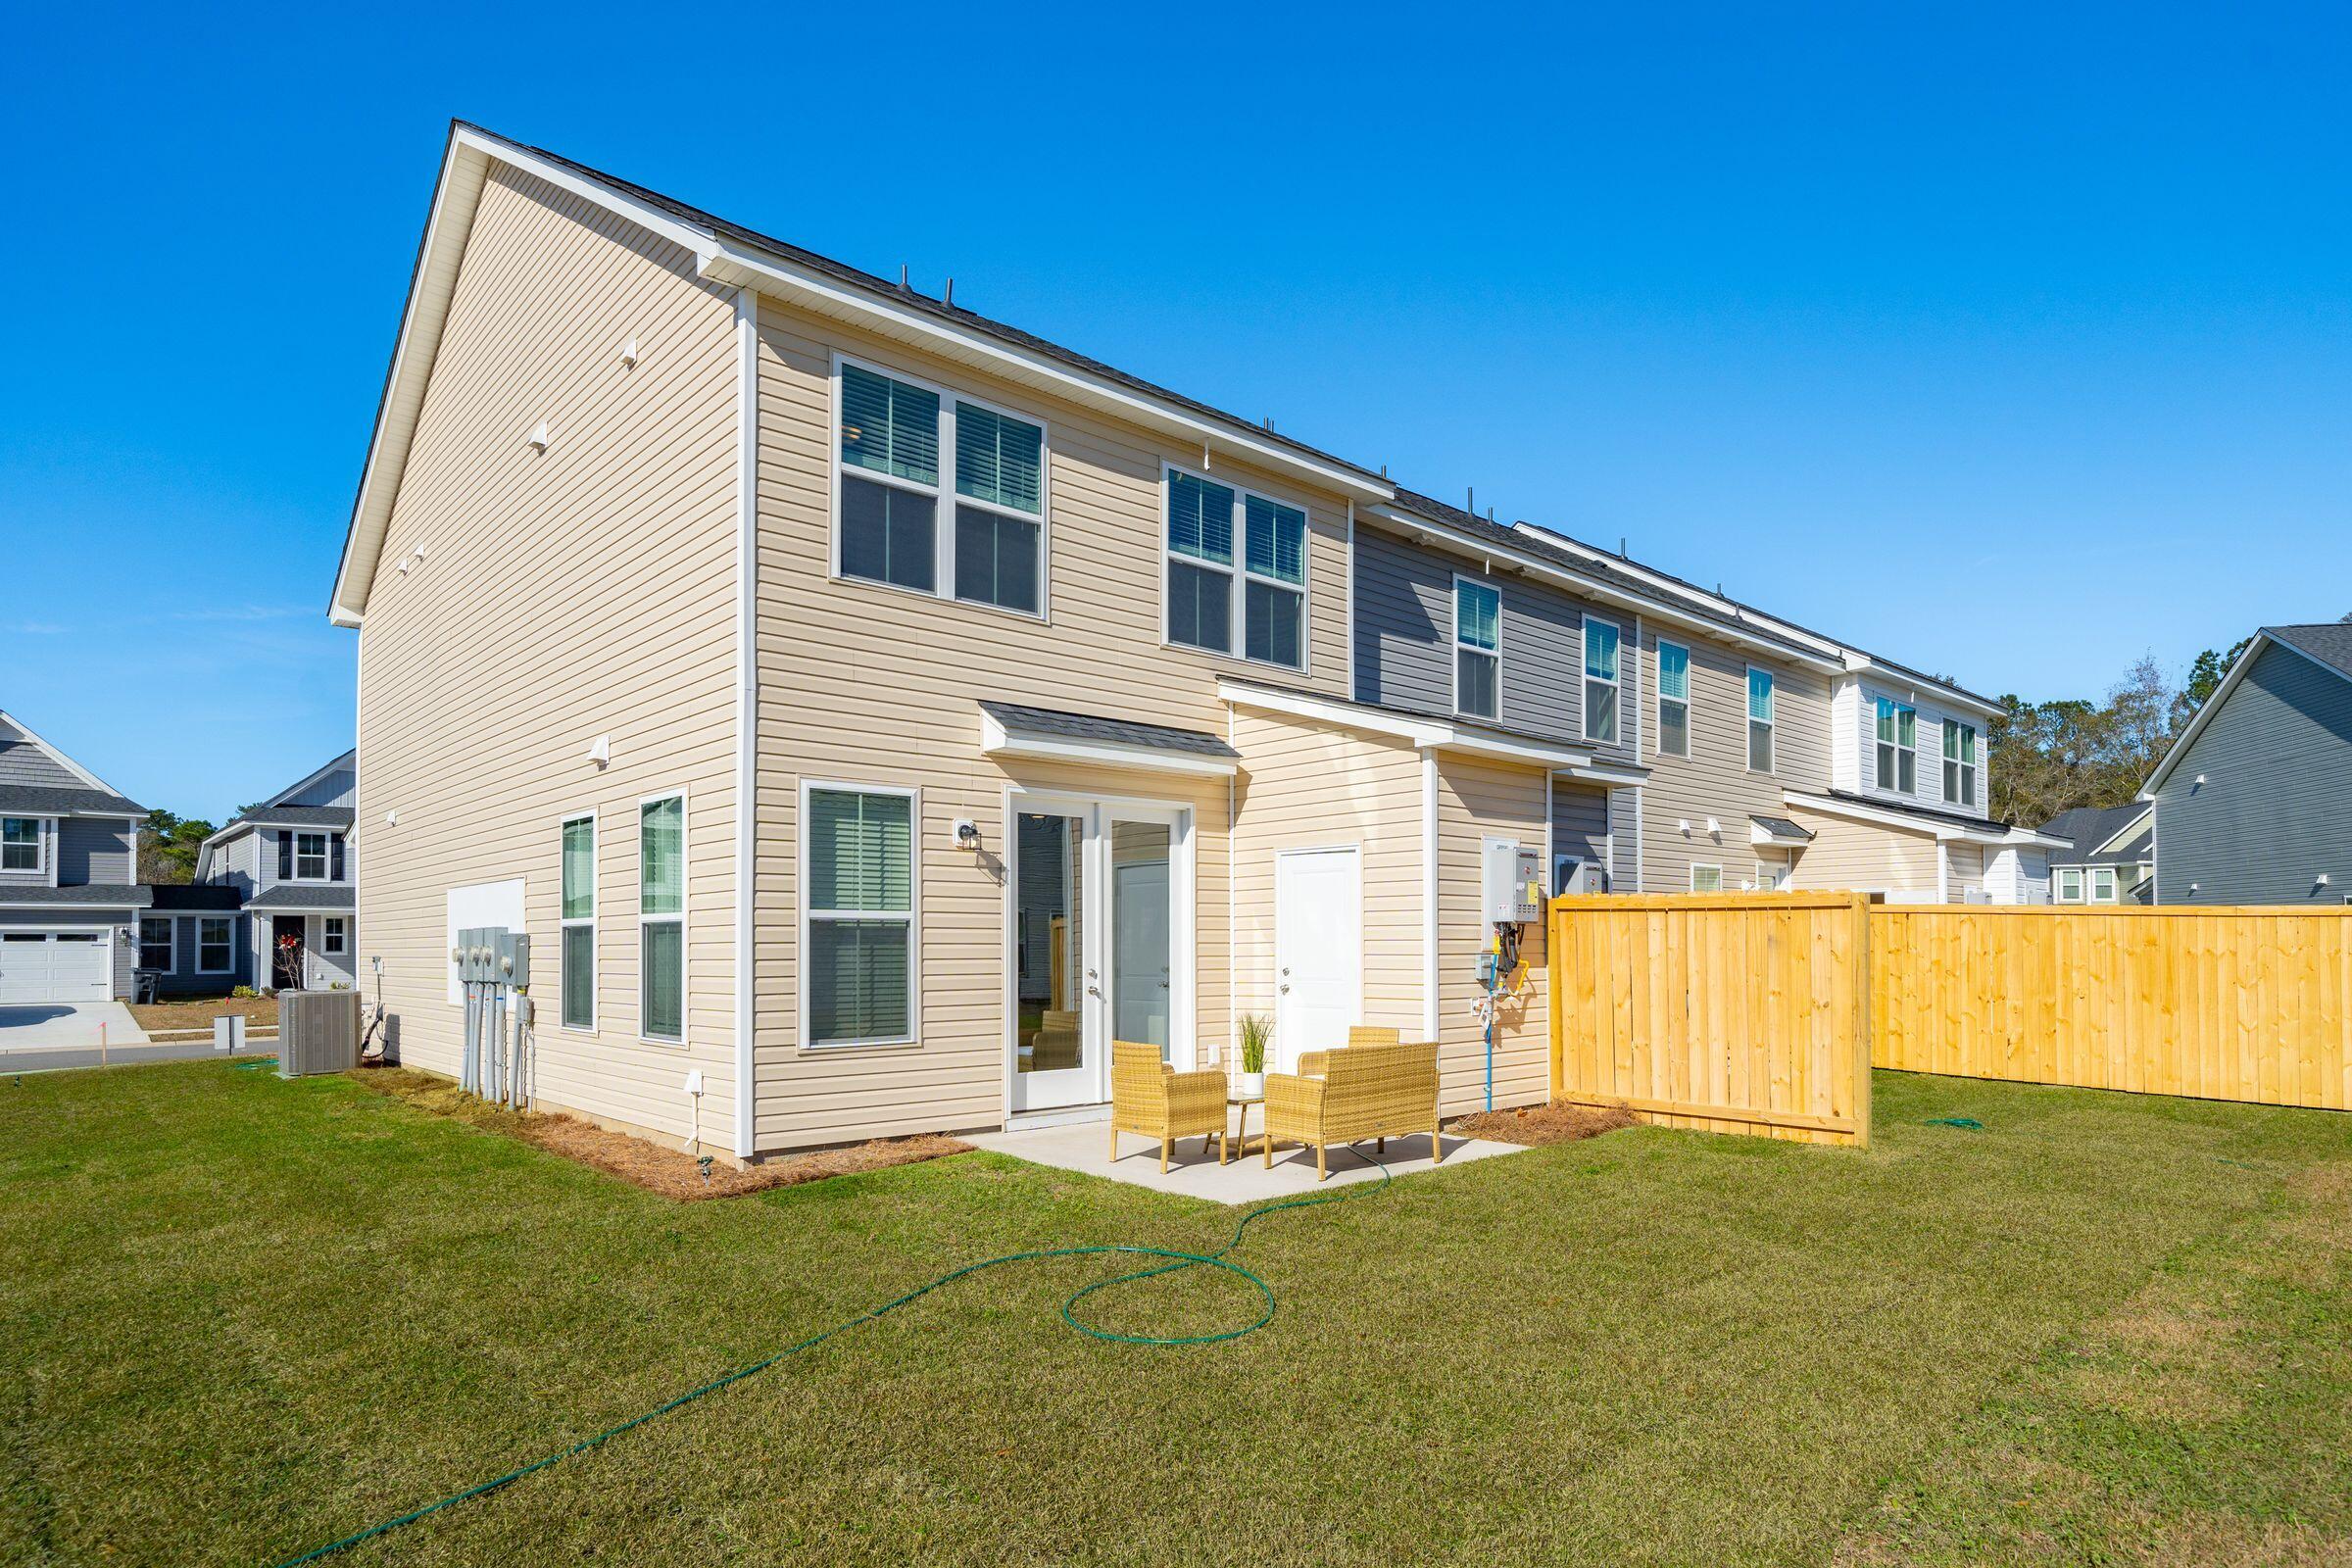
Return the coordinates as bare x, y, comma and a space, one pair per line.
239, 1317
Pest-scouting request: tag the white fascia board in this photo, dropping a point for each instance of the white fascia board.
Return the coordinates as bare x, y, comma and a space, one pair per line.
1334, 711
62, 760
2196, 726
1412, 523
1858, 663
997, 741
1758, 833
1871, 815
1616, 775
726, 262
309, 779
1504, 747
1681, 590
2131, 827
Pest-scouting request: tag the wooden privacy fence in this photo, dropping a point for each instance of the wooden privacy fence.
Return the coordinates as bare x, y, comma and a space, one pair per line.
1733, 1012
2218, 1003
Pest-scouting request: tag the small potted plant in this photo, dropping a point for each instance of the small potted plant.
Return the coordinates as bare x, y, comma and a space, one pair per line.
1256, 1030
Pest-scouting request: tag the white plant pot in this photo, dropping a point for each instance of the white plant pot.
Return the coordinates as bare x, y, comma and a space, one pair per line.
1249, 1085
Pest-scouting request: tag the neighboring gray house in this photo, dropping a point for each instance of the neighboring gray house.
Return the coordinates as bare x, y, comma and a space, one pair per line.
2253, 804
278, 884
2111, 857
69, 884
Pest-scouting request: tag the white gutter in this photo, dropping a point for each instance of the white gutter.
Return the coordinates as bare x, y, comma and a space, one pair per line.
1427, 734
1429, 894
1941, 832
996, 740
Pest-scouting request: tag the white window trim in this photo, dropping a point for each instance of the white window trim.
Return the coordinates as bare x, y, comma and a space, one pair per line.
1971, 771
1660, 698
644, 919
327, 855
1878, 779
171, 941
1749, 719
1772, 875
334, 942
228, 944
565, 922
1495, 653
1239, 574
2058, 876
914, 916
945, 500
42, 859
2091, 893
1698, 866
1586, 678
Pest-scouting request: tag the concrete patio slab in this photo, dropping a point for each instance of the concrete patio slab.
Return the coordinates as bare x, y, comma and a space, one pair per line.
1083, 1147
66, 1026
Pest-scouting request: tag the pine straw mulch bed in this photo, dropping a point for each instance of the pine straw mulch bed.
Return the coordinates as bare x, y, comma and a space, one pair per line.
670, 1172
1535, 1125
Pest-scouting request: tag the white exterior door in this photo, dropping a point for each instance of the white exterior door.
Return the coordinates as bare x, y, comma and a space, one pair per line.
55, 966
1318, 950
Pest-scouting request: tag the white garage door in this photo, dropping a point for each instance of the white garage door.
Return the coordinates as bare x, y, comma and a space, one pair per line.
54, 966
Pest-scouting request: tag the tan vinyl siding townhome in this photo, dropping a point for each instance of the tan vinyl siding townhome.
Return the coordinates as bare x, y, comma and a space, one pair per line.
871, 712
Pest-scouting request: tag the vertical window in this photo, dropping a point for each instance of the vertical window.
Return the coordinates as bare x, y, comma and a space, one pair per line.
1959, 763
19, 843
2102, 884
1000, 508
155, 943
212, 936
1210, 590
889, 481
858, 927
1898, 747
1199, 564
662, 918
2070, 885
1477, 648
1673, 699
1759, 719
1600, 681
577, 961
310, 856
1706, 879
1772, 875
336, 935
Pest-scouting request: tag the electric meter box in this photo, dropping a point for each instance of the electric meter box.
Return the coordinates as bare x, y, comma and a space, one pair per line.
1513, 882
494, 955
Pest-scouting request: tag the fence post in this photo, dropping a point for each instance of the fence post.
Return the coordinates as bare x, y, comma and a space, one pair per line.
1861, 1023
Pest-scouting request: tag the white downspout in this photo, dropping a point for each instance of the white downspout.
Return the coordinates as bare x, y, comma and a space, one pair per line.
747, 715
1429, 894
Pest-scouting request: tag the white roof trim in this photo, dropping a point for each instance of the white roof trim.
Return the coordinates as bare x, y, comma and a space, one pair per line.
1758, 833
1882, 816
1402, 520
279, 799
996, 740
2131, 826
465, 169
2196, 727
1947, 696
1430, 734
64, 761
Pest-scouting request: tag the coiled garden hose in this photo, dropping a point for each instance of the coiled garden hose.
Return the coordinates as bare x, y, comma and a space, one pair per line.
1174, 1261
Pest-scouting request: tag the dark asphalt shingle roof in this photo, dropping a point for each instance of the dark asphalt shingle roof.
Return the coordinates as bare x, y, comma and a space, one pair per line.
195, 896
295, 816
1781, 828
109, 895
19, 799
2328, 642
2088, 827
293, 896
1116, 731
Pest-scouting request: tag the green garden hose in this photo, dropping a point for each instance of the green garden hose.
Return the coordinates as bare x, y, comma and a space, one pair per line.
1174, 1261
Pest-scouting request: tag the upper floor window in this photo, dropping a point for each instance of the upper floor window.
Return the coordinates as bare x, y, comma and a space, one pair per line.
1759, 719
1600, 681
1898, 747
1673, 699
310, 856
1477, 648
1210, 590
1959, 763
19, 843
905, 450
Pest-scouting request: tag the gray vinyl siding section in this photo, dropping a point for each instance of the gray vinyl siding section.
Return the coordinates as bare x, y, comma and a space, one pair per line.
1580, 822
24, 762
2275, 812
1404, 642
337, 788
182, 980
93, 849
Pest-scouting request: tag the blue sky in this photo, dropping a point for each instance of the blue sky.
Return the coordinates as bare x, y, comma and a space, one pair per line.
2007, 343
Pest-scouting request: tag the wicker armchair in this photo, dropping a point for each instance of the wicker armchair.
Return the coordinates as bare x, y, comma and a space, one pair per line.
1365, 1091
1312, 1062
1149, 1098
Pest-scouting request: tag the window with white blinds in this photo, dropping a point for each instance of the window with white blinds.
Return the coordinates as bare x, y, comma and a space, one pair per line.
1673, 699
1897, 747
577, 959
1759, 719
1601, 685
857, 919
1212, 592
662, 918
904, 451
1477, 649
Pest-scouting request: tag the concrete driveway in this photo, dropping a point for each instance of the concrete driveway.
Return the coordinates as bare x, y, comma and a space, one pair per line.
47, 1026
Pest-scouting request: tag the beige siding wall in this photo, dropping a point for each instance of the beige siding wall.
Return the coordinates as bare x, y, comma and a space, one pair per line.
1714, 780
1306, 785
586, 591
1476, 799
863, 683
1850, 854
